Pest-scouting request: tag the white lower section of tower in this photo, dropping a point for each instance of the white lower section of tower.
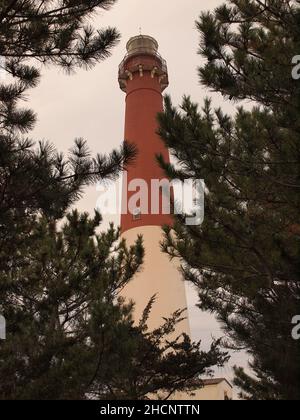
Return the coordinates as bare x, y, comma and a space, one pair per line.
159, 276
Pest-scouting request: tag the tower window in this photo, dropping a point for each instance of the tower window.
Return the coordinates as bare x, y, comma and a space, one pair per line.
137, 214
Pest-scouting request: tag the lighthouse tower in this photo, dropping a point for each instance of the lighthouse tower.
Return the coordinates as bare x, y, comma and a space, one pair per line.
143, 76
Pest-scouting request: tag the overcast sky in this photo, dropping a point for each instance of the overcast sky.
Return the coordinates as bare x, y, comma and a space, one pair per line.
90, 104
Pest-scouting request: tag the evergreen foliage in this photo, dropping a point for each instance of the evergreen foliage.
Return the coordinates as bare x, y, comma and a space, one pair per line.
244, 259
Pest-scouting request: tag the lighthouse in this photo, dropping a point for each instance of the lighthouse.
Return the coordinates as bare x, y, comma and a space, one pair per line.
143, 76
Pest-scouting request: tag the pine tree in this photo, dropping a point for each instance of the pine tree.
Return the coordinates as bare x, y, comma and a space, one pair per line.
59, 296
244, 258
36, 178
55, 31
69, 334
147, 364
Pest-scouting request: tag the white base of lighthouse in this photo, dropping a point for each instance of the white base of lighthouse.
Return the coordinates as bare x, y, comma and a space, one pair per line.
159, 276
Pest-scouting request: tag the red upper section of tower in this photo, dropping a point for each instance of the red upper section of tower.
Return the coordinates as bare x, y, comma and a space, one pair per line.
143, 76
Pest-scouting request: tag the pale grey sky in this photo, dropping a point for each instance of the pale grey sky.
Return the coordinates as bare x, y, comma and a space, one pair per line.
90, 104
